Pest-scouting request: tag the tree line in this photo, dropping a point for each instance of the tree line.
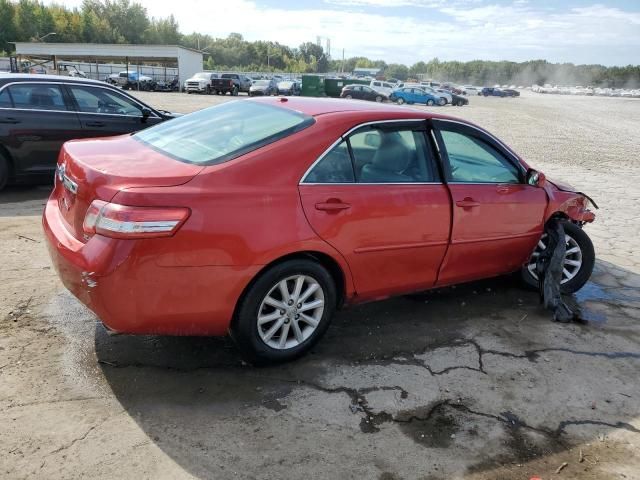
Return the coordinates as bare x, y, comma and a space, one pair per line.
124, 21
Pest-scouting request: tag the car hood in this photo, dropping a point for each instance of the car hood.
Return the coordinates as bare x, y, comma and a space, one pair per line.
561, 185
258, 87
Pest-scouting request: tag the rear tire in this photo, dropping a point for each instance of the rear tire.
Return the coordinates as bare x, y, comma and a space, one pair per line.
379, 99
442, 102
588, 258
4, 171
255, 338
348, 97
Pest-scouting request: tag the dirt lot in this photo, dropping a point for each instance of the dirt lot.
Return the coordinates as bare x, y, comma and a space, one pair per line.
469, 382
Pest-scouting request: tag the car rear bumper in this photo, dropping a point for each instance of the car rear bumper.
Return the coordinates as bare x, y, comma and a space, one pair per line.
131, 293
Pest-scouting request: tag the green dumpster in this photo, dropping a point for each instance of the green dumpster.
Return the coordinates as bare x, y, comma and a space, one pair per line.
313, 86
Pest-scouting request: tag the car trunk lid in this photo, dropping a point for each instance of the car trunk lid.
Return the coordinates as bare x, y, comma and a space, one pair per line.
98, 169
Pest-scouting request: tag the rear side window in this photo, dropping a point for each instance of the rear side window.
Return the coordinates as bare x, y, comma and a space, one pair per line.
37, 96
217, 134
334, 167
5, 99
102, 100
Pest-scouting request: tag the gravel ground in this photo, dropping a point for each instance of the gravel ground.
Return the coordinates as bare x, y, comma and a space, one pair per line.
470, 382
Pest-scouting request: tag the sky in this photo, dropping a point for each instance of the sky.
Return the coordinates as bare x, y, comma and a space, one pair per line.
407, 31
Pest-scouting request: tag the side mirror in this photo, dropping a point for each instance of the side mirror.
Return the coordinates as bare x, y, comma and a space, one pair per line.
535, 178
145, 114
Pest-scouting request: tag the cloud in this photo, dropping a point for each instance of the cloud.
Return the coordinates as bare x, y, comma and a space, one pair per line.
451, 30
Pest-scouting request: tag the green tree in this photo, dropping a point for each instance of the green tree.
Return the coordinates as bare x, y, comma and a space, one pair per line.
7, 25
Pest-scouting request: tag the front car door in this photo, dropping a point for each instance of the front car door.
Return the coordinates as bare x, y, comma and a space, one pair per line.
377, 198
36, 119
497, 217
104, 111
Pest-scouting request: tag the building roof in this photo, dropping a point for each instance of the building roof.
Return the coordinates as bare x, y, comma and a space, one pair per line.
105, 51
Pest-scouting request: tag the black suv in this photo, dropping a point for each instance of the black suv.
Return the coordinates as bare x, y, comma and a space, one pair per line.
38, 113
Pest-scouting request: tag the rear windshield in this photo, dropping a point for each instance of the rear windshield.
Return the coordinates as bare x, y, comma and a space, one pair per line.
217, 134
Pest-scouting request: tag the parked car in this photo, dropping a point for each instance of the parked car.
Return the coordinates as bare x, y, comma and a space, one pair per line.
383, 87
362, 92
412, 95
38, 113
207, 224
224, 85
263, 87
459, 100
510, 92
288, 87
135, 81
201, 82
242, 82
471, 90
493, 92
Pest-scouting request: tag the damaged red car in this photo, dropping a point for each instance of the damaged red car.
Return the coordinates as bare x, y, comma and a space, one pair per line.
259, 218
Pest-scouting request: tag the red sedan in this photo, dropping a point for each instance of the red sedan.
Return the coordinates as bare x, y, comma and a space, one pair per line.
259, 218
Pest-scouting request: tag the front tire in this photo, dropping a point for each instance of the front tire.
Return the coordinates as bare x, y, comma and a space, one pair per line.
400, 101
379, 99
442, 102
430, 103
579, 261
285, 312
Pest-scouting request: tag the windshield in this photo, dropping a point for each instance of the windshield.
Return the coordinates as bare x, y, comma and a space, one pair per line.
285, 84
202, 75
261, 83
217, 134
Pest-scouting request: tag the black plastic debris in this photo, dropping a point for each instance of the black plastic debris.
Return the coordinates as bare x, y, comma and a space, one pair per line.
549, 266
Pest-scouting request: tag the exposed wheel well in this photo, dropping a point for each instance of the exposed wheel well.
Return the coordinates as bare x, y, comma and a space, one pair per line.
323, 259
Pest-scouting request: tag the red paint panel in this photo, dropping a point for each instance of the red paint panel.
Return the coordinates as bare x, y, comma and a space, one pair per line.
495, 228
393, 236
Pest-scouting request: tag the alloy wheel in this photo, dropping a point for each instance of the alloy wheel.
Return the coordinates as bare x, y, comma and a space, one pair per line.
572, 259
290, 312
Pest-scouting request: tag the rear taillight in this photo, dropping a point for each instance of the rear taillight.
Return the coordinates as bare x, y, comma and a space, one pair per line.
122, 221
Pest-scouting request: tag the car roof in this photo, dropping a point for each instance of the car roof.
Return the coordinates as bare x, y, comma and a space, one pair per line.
9, 77
320, 106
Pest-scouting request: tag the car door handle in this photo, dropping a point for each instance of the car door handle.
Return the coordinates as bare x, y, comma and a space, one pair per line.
332, 205
467, 203
95, 124
9, 120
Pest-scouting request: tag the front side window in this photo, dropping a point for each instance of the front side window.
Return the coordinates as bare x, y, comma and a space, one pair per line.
472, 160
217, 134
37, 96
334, 167
101, 100
5, 99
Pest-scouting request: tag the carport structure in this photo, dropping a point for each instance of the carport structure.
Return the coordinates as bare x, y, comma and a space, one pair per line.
187, 60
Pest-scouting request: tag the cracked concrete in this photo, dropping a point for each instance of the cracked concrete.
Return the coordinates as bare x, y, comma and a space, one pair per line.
470, 382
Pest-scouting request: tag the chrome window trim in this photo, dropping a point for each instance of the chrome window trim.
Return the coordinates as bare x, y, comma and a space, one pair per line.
342, 138
44, 82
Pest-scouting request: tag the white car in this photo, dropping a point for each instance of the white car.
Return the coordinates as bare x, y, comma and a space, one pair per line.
200, 82
471, 90
382, 87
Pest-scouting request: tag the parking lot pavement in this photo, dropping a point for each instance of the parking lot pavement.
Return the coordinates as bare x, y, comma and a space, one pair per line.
469, 382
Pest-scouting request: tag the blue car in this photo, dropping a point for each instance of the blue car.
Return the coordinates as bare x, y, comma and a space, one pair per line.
415, 95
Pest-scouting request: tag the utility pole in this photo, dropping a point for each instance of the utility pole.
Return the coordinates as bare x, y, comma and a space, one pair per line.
342, 60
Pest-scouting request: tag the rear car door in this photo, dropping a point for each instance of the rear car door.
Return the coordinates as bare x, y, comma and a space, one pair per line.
497, 217
377, 198
38, 121
104, 111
